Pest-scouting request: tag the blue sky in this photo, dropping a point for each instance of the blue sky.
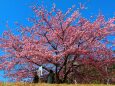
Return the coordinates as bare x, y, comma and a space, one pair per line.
12, 11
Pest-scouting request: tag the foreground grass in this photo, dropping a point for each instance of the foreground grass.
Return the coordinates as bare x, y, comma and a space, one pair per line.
43, 84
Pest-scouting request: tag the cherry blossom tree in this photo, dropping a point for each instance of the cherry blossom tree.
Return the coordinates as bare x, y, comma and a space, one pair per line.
60, 42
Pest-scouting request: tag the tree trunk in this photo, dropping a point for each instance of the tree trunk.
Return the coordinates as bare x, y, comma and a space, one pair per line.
56, 75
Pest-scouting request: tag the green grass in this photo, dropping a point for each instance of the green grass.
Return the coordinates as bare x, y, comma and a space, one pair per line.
43, 84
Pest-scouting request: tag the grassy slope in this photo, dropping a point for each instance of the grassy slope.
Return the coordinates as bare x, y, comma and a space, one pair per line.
27, 84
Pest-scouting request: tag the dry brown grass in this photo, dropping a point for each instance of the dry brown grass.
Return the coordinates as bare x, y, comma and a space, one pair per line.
43, 84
